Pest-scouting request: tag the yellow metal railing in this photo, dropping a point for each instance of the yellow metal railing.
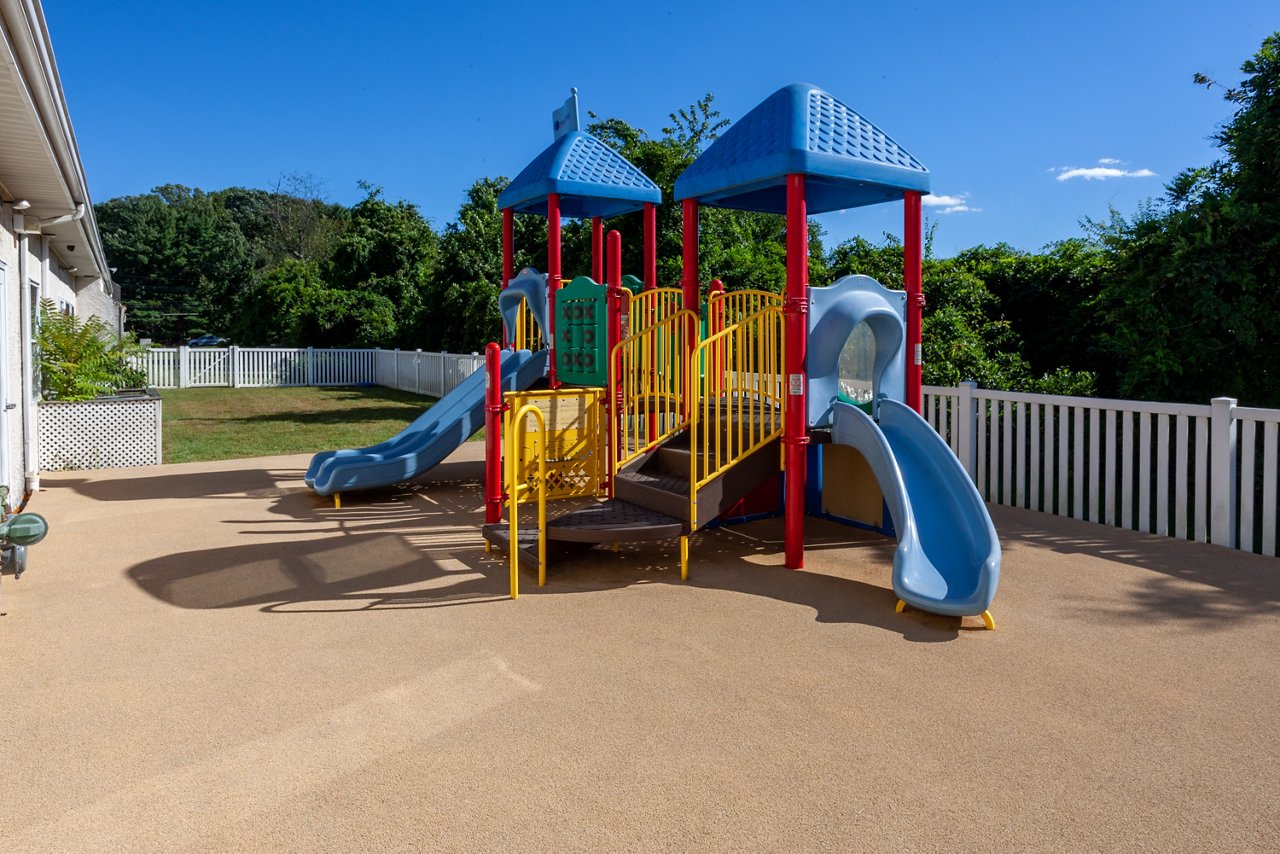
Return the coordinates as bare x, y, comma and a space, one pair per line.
736, 383
525, 475
574, 441
555, 449
528, 336
646, 308
725, 308
648, 372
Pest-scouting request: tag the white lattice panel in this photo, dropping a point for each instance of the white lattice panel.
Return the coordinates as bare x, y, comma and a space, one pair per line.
99, 434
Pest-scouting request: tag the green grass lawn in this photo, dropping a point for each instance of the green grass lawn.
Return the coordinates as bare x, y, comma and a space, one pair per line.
226, 423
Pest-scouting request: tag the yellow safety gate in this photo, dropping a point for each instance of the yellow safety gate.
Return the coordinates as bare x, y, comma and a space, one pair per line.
555, 449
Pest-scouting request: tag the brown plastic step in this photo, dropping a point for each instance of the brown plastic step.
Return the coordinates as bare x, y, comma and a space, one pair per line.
604, 523
614, 521
500, 535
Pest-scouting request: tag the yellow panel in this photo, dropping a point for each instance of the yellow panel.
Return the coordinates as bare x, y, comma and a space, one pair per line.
575, 439
849, 488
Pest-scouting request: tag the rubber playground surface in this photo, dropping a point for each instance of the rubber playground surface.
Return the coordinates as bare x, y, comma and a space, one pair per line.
206, 656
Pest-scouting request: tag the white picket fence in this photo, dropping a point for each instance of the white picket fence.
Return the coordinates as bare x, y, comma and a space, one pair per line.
434, 374
1199, 472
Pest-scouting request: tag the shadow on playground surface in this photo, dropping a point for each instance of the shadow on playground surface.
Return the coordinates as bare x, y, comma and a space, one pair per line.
419, 546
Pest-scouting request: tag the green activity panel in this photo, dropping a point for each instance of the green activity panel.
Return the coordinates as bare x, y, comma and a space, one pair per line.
582, 338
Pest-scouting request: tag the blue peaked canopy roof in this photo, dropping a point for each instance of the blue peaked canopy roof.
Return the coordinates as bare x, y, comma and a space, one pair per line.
591, 178
848, 162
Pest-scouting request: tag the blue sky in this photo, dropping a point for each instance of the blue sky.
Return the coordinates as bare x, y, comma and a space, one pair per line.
999, 100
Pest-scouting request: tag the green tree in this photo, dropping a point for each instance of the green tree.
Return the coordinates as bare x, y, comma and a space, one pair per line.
80, 360
1192, 300
180, 258
390, 252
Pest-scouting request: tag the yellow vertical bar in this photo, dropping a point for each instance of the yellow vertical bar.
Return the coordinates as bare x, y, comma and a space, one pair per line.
513, 514
542, 504
684, 558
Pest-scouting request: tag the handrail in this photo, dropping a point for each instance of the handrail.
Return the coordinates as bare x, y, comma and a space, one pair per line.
649, 307
741, 377
519, 481
647, 371
725, 308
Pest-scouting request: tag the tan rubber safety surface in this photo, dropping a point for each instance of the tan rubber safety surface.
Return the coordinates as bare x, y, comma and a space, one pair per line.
209, 657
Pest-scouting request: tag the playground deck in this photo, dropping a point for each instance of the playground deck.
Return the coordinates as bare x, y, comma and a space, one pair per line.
210, 656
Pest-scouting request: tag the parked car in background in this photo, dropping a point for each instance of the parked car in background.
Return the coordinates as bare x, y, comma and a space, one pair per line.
209, 341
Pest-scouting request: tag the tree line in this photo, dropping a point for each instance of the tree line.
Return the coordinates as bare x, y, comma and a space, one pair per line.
1179, 301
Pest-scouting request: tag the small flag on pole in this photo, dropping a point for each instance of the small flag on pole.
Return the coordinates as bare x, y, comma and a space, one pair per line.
565, 118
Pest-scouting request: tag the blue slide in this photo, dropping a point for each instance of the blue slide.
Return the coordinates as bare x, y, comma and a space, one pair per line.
429, 439
948, 555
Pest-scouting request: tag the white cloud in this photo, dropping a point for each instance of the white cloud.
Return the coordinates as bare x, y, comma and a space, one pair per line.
1108, 161
950, 204
1101, 173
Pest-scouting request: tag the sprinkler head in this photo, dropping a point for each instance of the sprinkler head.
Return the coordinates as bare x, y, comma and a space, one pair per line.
25, 529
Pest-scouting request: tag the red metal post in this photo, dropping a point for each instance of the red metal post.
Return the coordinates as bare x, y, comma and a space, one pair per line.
553, 280
913, 280
689, 272
614, 392
795, 437
492, 434
650, 245
508, 261
715, 323
597, 249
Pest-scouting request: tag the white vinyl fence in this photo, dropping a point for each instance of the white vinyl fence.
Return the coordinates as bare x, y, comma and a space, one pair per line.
1200, 472
434, 374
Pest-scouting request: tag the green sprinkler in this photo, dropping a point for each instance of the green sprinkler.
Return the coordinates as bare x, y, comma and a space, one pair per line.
17, 532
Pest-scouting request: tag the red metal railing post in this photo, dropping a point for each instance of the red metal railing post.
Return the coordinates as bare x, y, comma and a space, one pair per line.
597, 249
913, 280
553, 280
614, 391
689, 272
493, 434
795, 438
715, 323
650, 245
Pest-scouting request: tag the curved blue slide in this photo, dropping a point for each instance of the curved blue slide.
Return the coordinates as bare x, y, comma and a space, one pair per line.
429, 439
948, 555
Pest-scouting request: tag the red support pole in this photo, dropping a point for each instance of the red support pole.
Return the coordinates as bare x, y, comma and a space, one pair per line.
715, 323
689, 273
508, 261
795, 437
614, 393
493, 434
553, 279
597, 249
913, 280
650, 245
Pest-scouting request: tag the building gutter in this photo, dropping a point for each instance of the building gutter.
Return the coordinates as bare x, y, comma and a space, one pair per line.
30, 462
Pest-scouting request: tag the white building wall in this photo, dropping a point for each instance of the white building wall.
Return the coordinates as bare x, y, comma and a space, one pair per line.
58, 285
11, 421
92, 299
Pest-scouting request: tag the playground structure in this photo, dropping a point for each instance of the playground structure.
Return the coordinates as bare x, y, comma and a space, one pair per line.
667, 413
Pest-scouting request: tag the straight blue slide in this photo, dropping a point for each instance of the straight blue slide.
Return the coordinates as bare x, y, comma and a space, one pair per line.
948, 555
429, 439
